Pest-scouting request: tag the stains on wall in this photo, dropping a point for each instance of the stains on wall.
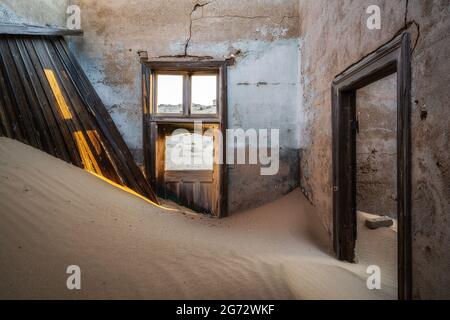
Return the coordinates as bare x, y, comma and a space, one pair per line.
246, 185
333, 35
376, 147
263, 94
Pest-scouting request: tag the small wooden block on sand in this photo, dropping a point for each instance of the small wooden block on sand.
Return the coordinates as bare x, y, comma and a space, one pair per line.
379, 222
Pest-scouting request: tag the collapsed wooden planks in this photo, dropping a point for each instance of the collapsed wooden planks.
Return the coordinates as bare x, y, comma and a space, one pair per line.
47, 101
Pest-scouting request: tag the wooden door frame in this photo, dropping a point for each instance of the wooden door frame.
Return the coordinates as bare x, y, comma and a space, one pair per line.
151, 119
388, 59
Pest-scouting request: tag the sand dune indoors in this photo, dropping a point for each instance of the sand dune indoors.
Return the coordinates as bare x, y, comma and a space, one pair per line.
53, 214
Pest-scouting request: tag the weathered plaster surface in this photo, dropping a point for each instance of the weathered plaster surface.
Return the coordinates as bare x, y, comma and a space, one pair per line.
41, 12
333, 35
263, 85
263, 94
376, 147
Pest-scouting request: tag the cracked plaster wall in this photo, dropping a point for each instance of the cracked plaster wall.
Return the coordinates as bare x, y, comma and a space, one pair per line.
263, 85
333, 35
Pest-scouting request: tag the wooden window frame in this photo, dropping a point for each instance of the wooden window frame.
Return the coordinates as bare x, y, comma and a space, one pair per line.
394, 57
187, 93
153, 120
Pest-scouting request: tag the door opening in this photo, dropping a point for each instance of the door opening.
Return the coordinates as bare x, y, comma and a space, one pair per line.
376, 178
185, 168
392, 59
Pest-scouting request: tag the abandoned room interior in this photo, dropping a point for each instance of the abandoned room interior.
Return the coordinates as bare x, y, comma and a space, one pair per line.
225, 149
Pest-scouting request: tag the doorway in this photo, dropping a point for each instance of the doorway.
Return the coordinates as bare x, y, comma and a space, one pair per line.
186, 170
376, 179
390, 60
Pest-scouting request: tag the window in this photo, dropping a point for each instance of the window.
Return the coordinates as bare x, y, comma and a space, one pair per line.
186, 93
187, 151
183, 163
169, 94
204, 94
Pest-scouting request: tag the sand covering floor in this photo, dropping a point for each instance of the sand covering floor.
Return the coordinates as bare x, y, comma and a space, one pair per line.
53, 214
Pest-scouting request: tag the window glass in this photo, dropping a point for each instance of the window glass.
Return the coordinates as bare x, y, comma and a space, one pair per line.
204, 94
188, 151
169, 95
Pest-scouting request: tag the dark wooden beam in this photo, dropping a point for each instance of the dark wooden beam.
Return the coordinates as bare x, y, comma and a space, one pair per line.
26, 29
187, 65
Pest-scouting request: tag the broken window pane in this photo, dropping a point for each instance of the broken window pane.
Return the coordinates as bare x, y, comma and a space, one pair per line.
188, 151
204, 94
169, 93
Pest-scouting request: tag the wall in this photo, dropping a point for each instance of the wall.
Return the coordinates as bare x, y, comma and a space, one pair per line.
42, 12
263, 86
376, 147
333, 35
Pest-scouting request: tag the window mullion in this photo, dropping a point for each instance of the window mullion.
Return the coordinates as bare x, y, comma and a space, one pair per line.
187, 95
